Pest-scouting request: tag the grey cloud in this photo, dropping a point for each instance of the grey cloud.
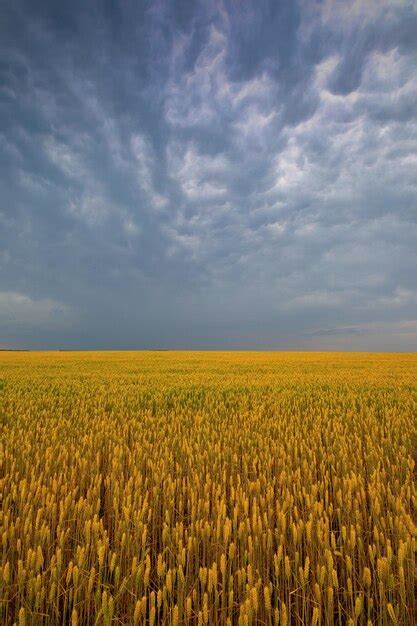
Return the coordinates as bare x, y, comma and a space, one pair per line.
181, 174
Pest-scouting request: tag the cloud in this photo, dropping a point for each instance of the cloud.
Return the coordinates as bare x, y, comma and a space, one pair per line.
18, 308
209, 174
201, 177
398, 335
144, 163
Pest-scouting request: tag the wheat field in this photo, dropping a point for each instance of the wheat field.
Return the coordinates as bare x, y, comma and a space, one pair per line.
207, 488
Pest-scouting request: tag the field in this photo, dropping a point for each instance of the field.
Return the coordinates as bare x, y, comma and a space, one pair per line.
207, 488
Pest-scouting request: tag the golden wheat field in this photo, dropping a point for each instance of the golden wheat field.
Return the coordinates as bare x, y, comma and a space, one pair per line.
207, 488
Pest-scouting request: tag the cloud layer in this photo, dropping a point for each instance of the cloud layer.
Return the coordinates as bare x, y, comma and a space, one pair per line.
209, 175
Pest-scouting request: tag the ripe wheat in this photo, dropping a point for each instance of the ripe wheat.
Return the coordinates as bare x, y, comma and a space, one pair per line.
207, 488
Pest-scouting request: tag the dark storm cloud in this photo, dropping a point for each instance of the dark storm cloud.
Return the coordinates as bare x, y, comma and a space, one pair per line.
179, 174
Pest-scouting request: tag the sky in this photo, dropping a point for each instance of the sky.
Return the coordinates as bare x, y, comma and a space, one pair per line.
208, 175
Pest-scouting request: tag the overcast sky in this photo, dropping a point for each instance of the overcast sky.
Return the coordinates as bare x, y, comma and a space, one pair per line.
208, 174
